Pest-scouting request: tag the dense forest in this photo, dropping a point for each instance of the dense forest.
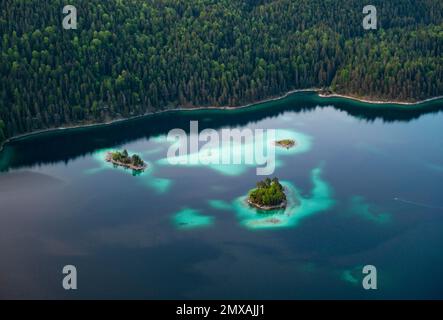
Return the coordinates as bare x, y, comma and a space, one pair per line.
129, 57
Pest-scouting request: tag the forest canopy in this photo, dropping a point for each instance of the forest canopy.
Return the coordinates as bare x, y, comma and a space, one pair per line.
131, 57
268, 193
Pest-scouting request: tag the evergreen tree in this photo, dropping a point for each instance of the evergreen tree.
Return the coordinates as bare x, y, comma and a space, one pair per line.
131, 57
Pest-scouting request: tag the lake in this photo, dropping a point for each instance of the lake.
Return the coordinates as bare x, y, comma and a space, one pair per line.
367, 181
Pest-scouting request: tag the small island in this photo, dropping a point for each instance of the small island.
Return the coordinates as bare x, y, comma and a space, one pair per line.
123, 159
269, 195
285, 143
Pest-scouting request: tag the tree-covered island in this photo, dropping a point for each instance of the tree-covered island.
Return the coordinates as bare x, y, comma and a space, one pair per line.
286, 143
123, 159
269, 195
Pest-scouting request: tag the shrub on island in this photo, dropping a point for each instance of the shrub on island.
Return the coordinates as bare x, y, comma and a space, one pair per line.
123, 159
268, 195
285, 143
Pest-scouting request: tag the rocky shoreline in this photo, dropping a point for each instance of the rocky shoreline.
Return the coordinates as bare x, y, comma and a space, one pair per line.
267, 208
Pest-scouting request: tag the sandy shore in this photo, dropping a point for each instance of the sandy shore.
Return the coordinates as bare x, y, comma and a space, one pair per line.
259, 102
336, 95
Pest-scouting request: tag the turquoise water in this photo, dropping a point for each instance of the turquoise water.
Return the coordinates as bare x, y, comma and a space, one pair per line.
364, 186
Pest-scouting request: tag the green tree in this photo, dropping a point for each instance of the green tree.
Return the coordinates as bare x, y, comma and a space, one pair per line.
131, 57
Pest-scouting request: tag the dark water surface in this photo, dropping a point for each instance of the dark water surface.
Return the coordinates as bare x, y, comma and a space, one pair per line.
369, 180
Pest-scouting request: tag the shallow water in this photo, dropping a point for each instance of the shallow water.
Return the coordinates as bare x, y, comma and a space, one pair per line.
365, 187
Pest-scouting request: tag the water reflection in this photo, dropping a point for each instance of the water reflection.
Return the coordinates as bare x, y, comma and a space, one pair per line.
66, 145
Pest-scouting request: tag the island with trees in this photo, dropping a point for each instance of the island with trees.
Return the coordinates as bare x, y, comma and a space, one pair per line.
123, 159
286, 143
269, 195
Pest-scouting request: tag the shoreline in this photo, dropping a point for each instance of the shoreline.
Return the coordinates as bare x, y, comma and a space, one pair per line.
365, 100
267, 208
318, 91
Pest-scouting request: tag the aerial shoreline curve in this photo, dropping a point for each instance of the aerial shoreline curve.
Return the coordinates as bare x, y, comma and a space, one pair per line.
318, 91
